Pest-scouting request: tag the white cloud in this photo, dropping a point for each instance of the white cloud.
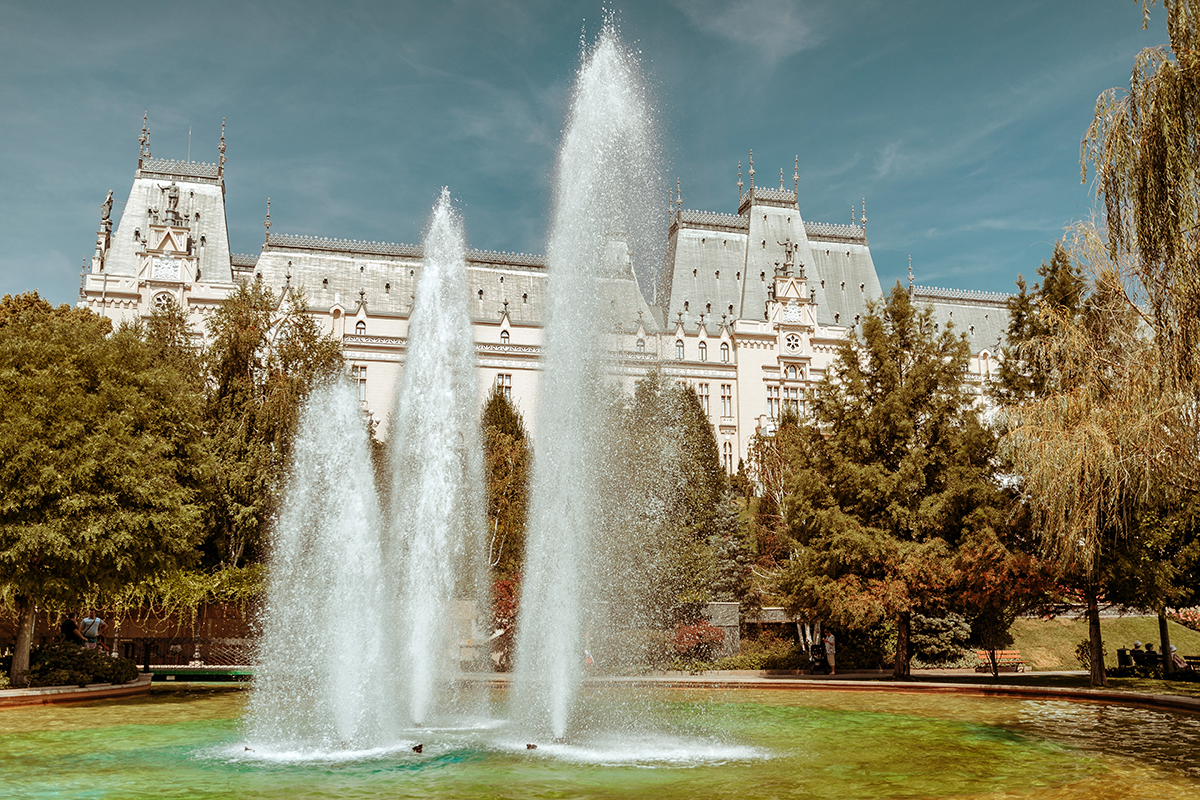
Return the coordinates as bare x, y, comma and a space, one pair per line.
772, 29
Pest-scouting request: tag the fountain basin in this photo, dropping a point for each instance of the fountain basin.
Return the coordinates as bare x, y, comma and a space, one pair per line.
189, 742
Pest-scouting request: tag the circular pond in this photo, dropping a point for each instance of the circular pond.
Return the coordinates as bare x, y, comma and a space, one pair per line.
189, 743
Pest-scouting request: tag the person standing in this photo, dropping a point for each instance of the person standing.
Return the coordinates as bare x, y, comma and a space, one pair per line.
70, 630
829, 651
93, 629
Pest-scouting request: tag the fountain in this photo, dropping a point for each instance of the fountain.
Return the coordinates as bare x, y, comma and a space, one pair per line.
315, 690
604, 192
436, 454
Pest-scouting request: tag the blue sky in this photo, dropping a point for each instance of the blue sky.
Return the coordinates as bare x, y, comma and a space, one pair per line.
958, 122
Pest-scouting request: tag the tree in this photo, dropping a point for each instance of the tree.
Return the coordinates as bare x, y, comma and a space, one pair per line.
506, 461
889, 478
1030, 316
265, 355
100, 440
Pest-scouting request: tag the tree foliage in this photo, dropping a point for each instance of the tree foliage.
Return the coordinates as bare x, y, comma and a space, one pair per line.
101, 456
506, 462
892, 475
264, 355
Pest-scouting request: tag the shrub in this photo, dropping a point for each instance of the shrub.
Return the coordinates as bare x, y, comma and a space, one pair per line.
64, 663
939, 640
1083, 653
698, 640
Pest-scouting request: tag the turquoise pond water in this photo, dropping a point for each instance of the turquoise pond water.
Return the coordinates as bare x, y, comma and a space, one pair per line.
188, 743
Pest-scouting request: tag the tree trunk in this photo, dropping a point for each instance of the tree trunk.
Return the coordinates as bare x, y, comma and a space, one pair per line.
1165, 646
900, 667
1093, 612
26, 618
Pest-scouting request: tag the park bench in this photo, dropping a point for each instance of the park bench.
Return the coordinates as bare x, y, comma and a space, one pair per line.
1006, 661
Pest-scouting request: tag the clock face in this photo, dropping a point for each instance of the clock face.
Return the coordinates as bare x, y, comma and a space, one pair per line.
792, 342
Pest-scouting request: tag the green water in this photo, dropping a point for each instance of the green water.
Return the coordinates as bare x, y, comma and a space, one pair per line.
188, 743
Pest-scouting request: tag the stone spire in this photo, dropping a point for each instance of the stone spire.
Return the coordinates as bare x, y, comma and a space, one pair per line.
781, 179
796, 181
678, 197
910, 275
864, 216
739, 182
752, 172
267, 223
853, 210
144, 140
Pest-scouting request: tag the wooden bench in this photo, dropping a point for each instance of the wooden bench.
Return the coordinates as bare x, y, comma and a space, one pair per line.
1006, 661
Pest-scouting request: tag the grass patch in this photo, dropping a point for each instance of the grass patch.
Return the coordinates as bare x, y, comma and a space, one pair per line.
1049, 644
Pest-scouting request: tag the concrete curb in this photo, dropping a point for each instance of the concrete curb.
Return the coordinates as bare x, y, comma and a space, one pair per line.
49, 695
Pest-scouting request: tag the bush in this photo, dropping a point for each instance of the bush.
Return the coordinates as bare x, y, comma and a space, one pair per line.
698, 641
64, 663
1188, 617
1083, 653
939, 640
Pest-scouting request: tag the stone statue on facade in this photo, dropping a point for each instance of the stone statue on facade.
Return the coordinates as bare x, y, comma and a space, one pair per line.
172, 198
106, 212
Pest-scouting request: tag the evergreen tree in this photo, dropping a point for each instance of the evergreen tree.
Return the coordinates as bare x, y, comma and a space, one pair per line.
1031, 316
892, 476
507, 462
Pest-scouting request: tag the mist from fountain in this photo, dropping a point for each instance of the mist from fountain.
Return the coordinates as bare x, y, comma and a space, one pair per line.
604, 197
321, 658
435, 548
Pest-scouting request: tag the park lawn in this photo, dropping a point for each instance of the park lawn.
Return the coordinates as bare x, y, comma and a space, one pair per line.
1051, 643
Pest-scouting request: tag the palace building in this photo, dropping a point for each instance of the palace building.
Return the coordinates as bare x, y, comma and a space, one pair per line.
749, 308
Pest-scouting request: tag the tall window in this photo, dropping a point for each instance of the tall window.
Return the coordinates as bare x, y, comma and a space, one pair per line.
773, 401
791, 372
504, 381
724, 352
727, 457
791, 399
641, 345
679, 349
703, 351
360, 378
360, 327
504, 337
702, 391
726, 400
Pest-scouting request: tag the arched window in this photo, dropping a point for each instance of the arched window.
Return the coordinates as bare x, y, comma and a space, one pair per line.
679, 349
724, 352
641, 345
727, 457
504, 337
360, 327
791, 372
703, 351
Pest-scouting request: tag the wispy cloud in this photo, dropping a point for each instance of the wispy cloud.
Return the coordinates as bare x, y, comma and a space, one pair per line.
771, 29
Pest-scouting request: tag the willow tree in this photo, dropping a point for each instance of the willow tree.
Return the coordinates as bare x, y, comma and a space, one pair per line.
1075, 445
1143, 147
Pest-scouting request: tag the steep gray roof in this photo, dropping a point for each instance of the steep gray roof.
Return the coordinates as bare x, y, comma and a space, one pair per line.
982, 316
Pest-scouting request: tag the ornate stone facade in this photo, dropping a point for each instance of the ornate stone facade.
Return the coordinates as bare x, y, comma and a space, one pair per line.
749, 307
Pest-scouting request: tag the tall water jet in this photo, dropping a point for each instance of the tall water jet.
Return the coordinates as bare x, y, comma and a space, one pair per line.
604, 199
436, 453
322, 654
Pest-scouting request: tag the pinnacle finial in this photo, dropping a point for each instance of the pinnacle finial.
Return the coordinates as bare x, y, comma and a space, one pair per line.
678, 196
751, 170
781, 179
910, 275
796, 181
864, 216
221, 160
267, 223
739, 181
853, 221
144, 139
